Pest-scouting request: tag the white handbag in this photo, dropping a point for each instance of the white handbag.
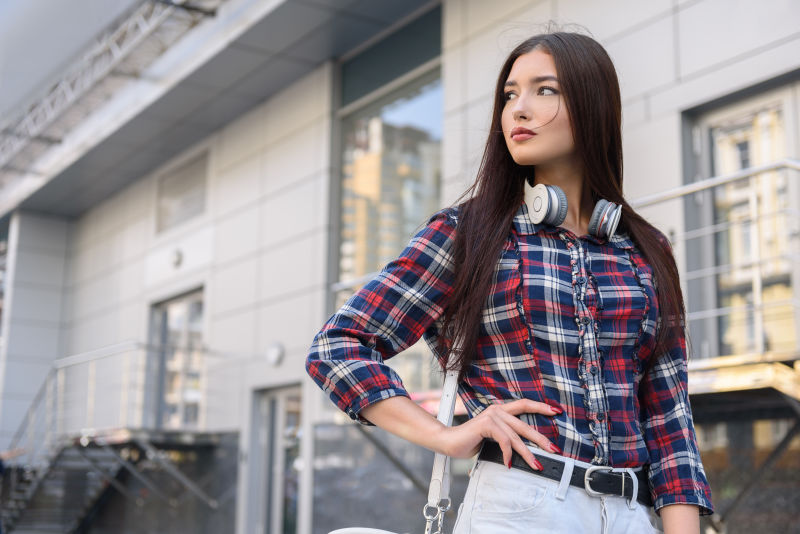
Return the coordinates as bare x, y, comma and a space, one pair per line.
439, 491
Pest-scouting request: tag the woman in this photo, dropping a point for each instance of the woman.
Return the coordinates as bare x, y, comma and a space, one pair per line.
574, 357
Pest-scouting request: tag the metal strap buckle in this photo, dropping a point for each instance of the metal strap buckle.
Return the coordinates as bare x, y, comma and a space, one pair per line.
587, 479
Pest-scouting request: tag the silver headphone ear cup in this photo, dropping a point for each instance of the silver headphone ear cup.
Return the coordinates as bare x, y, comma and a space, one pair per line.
539, 203
558, 207
597, 216
613, 220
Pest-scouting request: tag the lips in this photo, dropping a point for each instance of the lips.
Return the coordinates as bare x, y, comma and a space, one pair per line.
521, 134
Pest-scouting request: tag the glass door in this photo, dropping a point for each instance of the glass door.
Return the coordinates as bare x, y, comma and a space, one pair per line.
275, 461
177, 345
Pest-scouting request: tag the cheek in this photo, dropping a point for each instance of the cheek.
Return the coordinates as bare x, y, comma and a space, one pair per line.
505, 121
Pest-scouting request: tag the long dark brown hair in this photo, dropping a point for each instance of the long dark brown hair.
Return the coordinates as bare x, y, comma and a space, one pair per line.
591, 92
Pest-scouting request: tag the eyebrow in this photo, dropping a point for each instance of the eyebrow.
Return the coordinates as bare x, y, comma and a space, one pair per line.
537, 79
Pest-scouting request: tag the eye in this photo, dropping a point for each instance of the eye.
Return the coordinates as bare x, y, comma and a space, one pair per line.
546, 90
509, 95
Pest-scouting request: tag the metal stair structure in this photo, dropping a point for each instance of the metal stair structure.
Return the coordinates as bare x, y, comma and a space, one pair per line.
71, 471
56, 498
64, 494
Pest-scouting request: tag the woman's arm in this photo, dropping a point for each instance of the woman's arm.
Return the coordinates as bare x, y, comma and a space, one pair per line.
676, 469
681, 519
404, 418
389, 314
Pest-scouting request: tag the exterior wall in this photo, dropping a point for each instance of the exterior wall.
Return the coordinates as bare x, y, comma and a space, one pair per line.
259, 251
32, 326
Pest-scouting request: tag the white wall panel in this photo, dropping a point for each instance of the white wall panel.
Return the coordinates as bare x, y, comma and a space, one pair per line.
233, 286
294, 211
236, 235
41, 267
236, 186
481, 14
306, 103
242, 139
292, 321
640, 72
610, 18
43, 233
233, 335
38, 304
299, 155
33, 342
715, 31
294, 266
195, 250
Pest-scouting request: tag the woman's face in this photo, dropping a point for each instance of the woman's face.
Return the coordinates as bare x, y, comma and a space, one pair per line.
535, 120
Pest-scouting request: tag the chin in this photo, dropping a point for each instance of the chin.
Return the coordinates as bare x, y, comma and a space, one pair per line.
526, 160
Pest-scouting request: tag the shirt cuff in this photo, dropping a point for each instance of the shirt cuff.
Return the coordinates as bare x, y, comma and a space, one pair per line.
697, 499
369, 398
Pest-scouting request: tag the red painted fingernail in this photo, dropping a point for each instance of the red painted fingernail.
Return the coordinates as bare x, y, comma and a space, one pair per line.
509, 464
538, 465
556, 409
554, 448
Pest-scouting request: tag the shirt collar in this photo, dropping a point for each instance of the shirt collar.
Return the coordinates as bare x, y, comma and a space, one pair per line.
524, 226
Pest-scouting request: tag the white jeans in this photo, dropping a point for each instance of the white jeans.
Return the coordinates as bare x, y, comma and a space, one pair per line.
503, 500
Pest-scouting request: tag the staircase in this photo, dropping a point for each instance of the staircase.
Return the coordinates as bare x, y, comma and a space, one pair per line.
55, 498
75, 473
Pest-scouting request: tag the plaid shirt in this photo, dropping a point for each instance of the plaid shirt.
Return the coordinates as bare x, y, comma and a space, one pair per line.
569, 320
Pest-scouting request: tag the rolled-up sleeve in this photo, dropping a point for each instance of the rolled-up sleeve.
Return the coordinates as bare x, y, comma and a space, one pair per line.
389, 314
676, 470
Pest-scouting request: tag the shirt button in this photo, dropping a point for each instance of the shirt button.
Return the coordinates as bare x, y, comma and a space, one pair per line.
581, 279
585, 320
593, 369
601, 416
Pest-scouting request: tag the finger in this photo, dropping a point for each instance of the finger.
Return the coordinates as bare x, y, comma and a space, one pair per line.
521, 406
509, 441
527, 431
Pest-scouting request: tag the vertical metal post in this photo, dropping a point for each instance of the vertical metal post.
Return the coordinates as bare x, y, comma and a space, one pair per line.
49, 407
91, 384
755, 239
60, 412
124, 398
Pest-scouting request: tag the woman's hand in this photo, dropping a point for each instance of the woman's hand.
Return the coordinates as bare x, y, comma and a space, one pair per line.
499, 423
403, 417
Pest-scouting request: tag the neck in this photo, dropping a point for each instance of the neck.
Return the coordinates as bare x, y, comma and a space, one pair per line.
579, 202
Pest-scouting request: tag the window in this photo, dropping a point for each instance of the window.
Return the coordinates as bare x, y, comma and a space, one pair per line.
390, 175
182, 193
741, 297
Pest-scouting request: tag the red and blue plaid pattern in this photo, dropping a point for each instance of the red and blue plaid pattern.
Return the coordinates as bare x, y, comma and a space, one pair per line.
569, 321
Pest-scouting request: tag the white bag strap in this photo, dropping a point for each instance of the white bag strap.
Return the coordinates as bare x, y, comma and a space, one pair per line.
439, 490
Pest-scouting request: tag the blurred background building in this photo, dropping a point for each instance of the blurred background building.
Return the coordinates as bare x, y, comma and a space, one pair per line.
188, 189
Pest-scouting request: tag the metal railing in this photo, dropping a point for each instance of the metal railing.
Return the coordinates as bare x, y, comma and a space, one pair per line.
740, 247
125, 386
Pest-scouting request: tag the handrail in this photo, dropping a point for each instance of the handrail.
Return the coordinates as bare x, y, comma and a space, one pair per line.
34, 415
16, 438
714, 181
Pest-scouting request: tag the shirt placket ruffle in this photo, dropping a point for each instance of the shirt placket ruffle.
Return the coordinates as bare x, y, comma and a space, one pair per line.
590, 365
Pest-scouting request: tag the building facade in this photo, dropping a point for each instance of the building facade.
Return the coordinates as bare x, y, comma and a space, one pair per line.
169, 260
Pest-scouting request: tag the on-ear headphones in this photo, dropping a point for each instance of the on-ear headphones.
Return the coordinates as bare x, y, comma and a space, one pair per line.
548, 203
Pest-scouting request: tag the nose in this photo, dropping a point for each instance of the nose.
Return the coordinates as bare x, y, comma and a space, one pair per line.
520, 110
